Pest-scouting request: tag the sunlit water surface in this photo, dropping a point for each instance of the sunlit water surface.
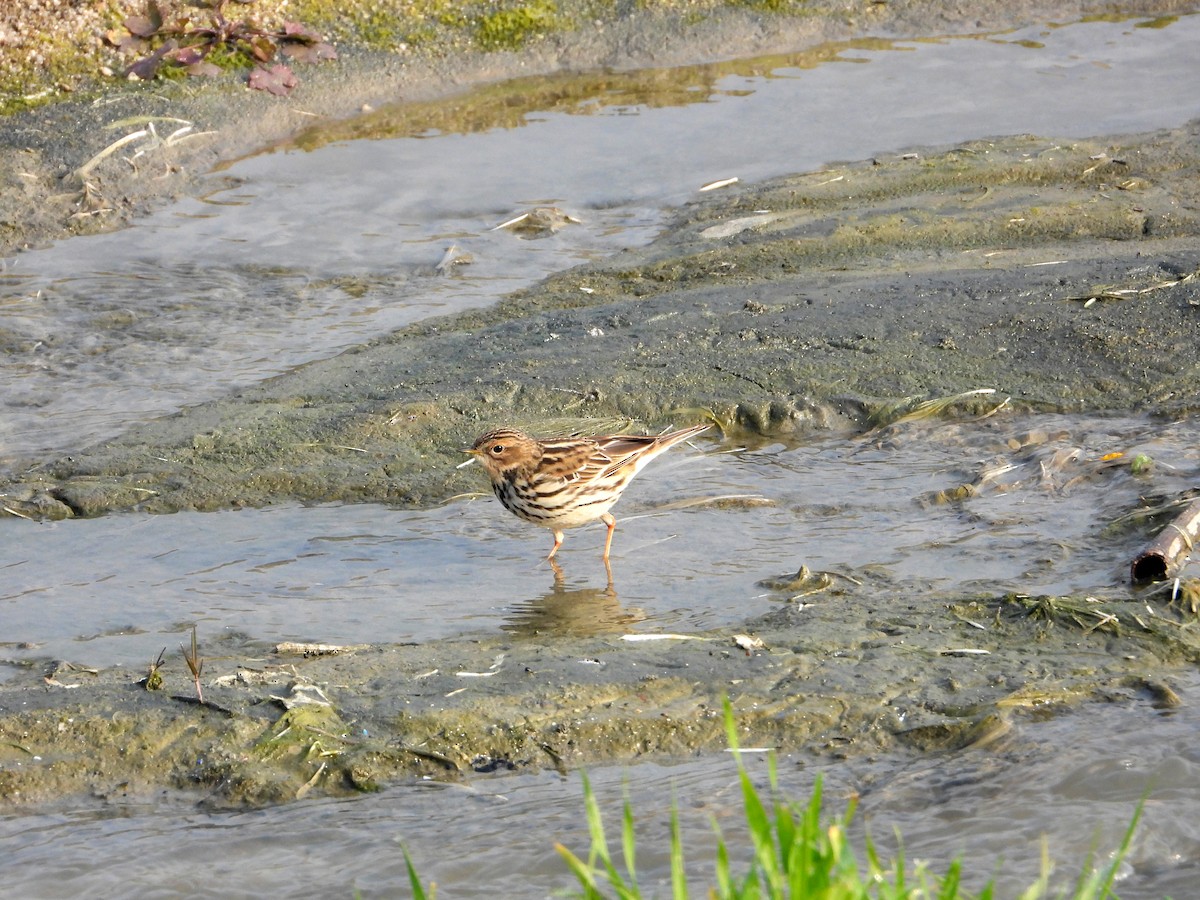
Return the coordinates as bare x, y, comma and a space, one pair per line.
313, 252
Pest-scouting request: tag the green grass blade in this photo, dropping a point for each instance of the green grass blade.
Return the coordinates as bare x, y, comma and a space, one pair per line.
807, 876
766, 859
1097, 883
723, 876
950, 884
785, 824
875, 869
629, 843
1122, 851
584, 874
599, 849
1039, 888
898, 876
797, 855
414, 880
679, 889
731, 737
595, 824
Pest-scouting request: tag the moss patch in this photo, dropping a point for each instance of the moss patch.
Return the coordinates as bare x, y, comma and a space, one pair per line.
510, 28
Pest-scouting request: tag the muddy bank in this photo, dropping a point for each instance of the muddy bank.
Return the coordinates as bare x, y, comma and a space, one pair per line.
1061, 275
281, 726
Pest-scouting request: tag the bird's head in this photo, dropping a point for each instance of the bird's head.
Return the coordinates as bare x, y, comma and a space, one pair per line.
505, 450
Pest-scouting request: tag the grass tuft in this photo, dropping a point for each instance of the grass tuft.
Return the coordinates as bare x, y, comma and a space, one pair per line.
797, 854
414, 880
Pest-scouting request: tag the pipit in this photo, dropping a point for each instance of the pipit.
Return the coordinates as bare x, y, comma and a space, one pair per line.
561, 483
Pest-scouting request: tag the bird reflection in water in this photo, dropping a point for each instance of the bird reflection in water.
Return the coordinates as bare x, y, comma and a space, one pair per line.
572, 610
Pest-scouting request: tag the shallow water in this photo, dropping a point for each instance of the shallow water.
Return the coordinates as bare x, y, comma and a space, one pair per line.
311, 252
116, 589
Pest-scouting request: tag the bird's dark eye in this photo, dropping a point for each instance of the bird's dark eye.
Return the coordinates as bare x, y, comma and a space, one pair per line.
497, 449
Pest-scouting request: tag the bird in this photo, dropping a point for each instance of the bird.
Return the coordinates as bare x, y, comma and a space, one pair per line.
564, 482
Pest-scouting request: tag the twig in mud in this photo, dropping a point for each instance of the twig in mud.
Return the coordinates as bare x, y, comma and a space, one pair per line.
207, 704
196, 664
308, 785
150, 135
430, 755
540, 220
306, 649
144, 120
1104, 619
1104, 292
308, 444
911, 409
83, 171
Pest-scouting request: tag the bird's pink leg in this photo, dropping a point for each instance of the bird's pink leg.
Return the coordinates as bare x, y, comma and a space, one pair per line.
612, 526
558, 539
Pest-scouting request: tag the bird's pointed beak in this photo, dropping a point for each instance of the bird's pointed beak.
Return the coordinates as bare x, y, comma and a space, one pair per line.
474, 457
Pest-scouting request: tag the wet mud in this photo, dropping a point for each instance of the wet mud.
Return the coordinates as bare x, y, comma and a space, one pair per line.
1063, 275
903, 675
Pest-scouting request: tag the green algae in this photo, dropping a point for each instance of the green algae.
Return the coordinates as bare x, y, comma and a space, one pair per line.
508, 28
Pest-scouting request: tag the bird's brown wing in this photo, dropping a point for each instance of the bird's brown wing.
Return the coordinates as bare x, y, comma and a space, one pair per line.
572, 459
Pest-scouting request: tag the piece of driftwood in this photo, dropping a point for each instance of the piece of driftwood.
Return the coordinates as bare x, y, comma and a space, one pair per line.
1163, 556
